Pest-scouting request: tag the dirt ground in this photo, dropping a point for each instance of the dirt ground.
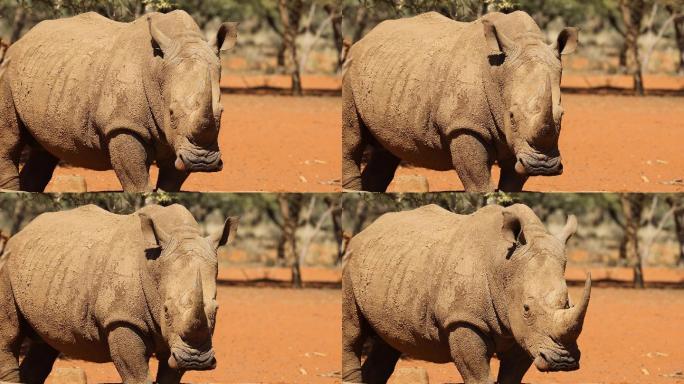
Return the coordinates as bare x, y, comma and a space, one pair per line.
608, 143
265, 335
629, 336
281, 143
269, 143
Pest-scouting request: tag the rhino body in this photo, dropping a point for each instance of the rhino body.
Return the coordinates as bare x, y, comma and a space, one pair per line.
101, 94
102, 287
441, 94
443, 287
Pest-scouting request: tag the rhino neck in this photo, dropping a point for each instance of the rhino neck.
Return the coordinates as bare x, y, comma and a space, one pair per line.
155, 99
497, 293
153, 299
492, 83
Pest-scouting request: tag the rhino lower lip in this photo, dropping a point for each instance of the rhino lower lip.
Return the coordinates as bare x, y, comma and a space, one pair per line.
192, 361
534, 167
547, 361
209, 162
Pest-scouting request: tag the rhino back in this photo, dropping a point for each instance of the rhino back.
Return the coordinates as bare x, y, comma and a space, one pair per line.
416, 80
418, 272
75, 273
70, 76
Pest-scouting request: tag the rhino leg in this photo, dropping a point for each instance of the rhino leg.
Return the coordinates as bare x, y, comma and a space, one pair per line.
170, 179
380, 362
472, 162
353, 141
37, 172
11, 334
354, 334
166, 374
471, 351
129, 354
514, 363
510, 180
379, 172
10, 139
37, 364
130, 160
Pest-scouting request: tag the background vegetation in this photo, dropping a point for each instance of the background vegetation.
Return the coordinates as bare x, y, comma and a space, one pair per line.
285, 230
296, 37
633, 230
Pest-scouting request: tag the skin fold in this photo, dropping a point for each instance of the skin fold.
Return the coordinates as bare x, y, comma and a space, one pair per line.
444, 95
101, 94
102, 287
442, 287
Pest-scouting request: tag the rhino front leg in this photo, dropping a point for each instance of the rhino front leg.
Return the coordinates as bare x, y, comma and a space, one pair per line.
170, 179
514, 363
472, 162
11, 141
37, 364
129, 354
131, 161
471, 352
354, 333
166, 374
353, 141
510, 180
10, 333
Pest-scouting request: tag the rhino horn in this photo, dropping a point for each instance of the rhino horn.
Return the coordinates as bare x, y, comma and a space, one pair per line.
568, 324
196, 316
569, 229
164, 42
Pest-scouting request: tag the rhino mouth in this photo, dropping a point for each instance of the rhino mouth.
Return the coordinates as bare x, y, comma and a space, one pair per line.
537, 164
551, 360
190, 359
196, 159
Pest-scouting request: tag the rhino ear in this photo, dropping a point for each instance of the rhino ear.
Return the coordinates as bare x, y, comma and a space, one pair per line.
153, 236
222, 237
497, 42
511, 230
160, 38
567, 41
226, 37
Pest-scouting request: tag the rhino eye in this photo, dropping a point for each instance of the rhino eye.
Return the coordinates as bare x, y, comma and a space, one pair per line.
526, 308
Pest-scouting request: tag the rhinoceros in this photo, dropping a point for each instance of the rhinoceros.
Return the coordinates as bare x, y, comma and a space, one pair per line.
102, 287
100, 94
442, 287
445, 95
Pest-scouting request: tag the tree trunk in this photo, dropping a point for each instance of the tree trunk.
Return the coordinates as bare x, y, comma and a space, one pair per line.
679, 39
632, 15
335, 13
290, 206
18, 24
290, 15
679, 231
632, 206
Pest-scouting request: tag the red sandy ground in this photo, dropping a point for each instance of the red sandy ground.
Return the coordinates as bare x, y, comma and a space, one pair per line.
629, 336
264, 335
281, 143
269, 143
608, 143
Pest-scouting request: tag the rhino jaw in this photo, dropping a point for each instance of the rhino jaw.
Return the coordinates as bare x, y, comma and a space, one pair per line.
549, 360
538, 165
189, 359
198, 161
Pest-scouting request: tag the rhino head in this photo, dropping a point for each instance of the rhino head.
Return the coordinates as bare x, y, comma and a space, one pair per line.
185, 272
541, 317
190, 77
529, 77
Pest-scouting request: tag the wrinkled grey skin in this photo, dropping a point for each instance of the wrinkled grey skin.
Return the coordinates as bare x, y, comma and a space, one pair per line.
444, 95
443, 287
103, 287
100, 94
